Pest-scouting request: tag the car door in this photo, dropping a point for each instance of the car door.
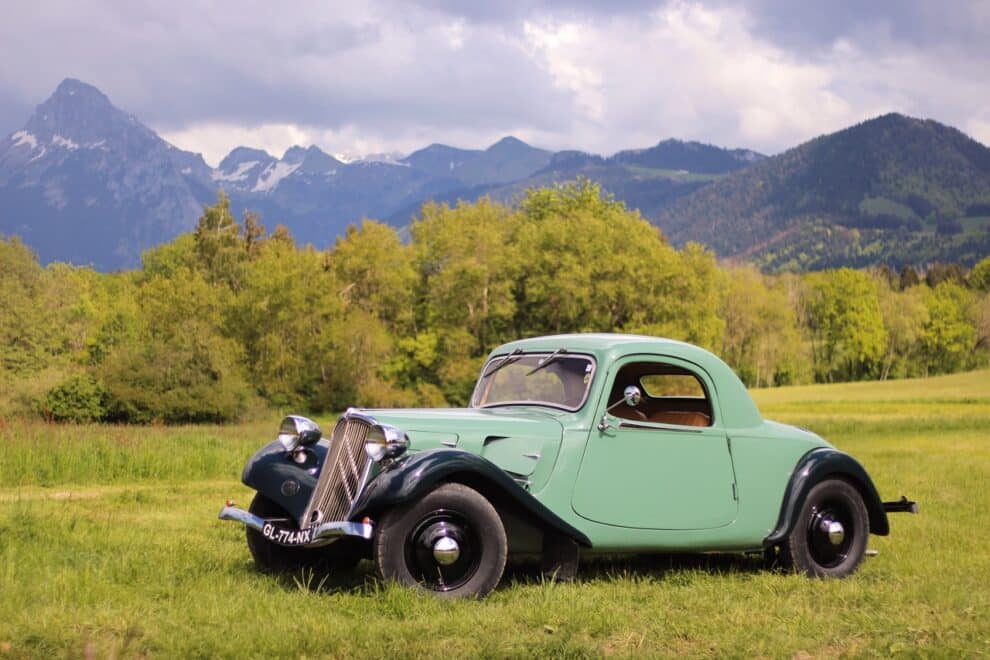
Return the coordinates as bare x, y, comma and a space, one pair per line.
657, 473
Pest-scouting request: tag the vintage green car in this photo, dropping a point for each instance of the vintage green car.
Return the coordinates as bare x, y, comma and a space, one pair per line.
573, 445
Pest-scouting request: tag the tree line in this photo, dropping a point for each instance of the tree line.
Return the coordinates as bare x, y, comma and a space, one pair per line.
232, 318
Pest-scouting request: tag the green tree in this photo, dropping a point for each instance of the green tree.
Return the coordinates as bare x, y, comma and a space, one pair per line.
948, 338
845, 324
375, 273
979, 276
761, 340
904, 317
219, 249
180, 367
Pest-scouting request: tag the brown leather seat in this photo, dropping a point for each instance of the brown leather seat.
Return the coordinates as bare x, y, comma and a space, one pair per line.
681, 418
626, 412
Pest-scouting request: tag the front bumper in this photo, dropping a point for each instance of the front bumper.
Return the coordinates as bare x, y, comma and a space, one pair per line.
312, 537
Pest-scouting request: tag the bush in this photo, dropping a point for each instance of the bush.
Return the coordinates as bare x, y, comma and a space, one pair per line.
79, 398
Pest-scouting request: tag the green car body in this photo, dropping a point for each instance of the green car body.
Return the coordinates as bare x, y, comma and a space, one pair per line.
592, 469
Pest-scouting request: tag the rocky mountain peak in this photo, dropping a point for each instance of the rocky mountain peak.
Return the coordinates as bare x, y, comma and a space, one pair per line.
78, 114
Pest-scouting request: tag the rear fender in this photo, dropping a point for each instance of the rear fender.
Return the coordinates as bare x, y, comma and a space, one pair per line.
816, 466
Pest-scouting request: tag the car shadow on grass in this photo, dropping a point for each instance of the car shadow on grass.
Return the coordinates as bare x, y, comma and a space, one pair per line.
364, 579
356, 580
660, 567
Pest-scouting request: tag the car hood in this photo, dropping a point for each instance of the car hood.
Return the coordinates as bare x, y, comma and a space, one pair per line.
469, 428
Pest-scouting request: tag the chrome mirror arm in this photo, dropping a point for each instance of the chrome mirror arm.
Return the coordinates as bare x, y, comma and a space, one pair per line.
631, 396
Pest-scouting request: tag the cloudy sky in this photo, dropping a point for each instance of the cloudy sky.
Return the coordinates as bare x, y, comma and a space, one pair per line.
595, 75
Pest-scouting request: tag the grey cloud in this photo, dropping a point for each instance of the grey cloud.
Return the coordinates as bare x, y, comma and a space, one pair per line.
390, 69
173, 65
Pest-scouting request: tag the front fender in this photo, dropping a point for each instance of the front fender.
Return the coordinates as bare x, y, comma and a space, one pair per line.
818, 464
422, 472
271, 469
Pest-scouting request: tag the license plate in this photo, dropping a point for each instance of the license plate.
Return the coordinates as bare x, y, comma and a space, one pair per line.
289, 537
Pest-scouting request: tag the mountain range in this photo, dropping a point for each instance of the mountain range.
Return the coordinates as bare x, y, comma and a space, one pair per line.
87, 183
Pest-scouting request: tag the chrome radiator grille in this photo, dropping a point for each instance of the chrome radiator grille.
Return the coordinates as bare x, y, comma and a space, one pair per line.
343, 473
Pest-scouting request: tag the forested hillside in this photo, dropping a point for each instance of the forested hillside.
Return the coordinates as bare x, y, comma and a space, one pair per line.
893, 189
230, 317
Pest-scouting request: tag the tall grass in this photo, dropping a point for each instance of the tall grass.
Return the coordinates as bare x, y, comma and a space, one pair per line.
38, 454
132, 561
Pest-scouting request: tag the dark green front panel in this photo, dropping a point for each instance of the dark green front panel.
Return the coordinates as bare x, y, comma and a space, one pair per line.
269, 470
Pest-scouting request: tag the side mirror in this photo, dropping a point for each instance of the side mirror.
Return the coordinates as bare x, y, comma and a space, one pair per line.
631, 396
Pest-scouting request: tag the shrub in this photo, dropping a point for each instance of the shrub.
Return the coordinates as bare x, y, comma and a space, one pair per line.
79, 398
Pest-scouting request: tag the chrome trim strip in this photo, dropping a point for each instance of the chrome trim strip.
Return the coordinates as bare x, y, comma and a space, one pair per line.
365, 478
363, 416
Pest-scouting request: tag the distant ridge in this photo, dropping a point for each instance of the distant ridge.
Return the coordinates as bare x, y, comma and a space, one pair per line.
87, 183
892, 189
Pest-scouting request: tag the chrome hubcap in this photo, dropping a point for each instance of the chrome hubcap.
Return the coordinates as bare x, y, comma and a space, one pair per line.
446, 551
835, 531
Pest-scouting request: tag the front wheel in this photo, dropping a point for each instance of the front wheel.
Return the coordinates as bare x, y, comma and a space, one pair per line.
451, 542
273, 558
830, 534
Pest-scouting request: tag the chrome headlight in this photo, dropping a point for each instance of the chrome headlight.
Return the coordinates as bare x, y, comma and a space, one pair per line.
385, 441
297, 431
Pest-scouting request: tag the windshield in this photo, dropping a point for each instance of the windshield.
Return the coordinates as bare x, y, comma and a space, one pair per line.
557, 379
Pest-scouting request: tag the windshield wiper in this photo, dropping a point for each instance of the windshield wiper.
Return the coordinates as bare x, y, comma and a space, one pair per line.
545, 362
514, 356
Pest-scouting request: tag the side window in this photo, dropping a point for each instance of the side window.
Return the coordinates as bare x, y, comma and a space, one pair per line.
657, 385
671, 395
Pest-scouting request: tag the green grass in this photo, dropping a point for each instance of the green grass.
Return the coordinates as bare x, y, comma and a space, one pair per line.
676, 175
975, 225
882, 205
110, 547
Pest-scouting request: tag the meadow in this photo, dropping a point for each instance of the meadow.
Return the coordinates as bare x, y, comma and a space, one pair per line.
110, 547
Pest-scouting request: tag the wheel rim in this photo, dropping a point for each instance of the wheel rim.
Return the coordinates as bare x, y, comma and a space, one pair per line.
830, 533
443, 550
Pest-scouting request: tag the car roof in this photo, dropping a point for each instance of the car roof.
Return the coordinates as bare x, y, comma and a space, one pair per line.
601, 343
737, 406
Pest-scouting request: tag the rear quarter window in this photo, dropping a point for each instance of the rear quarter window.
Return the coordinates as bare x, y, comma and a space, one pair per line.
680, 385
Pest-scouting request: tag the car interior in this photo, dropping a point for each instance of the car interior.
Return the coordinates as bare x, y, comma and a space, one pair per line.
671, 395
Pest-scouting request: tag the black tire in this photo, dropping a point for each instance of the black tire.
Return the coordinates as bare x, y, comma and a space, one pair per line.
342, 555
406, 537
809, 550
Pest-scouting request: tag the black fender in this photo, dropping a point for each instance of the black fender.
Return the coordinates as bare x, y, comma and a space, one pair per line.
272, 467
422, 472
815, 466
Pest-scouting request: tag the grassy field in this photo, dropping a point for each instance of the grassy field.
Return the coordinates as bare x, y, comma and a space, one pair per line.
110, 547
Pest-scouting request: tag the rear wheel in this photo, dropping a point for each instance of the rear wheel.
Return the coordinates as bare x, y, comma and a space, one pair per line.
269, 557
451, 542
830, 534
